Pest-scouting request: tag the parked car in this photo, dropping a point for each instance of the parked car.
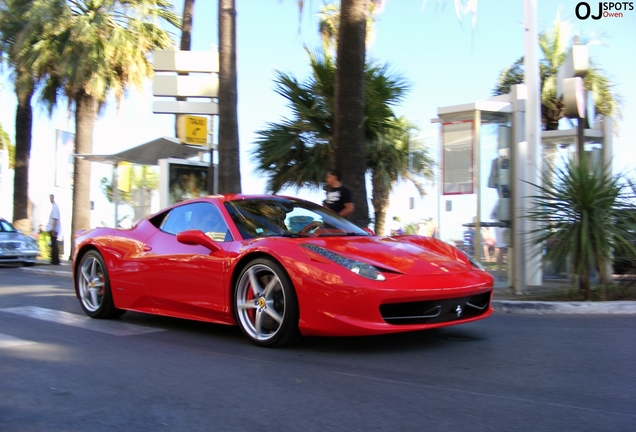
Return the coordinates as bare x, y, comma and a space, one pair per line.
16, 247
279, 268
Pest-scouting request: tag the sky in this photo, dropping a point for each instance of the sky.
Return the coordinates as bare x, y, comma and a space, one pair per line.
446, 61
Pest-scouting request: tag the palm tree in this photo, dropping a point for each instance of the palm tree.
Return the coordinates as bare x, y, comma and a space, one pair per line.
397, 155
349, 103
6, 147
88, 50
229, 155
186, 25
555, 46
298, 151
348, 130
11, 19
329, 24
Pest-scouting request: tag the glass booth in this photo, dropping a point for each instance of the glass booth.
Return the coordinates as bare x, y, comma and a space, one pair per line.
482, 171
475, 192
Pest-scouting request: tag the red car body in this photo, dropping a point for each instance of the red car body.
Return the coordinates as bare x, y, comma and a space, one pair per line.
185, 276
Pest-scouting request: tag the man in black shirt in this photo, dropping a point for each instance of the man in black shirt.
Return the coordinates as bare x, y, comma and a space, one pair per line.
338, 196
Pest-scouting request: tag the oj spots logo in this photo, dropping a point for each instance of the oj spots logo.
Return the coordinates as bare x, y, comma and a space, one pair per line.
583, 10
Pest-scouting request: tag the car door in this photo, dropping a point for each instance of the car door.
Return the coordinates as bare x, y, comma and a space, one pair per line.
187, 280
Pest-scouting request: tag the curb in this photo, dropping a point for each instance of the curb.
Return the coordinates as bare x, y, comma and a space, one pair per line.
50, 272
586, 308
502, 306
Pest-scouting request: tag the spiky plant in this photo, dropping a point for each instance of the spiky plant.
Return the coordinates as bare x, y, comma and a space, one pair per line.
585, 214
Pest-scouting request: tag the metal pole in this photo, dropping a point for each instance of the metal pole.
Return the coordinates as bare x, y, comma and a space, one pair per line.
580, 139
534, 273
518, 155
211, 173
115, 186
477, 179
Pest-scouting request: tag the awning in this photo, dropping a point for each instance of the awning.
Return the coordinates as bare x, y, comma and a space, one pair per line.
148, 153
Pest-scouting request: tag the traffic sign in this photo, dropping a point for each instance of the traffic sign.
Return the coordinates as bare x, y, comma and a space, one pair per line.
195, 129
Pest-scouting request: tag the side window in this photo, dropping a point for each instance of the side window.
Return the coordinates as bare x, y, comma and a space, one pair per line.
201, 216
177, 220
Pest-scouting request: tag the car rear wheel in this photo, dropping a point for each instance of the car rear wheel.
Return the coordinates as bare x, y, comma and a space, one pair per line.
93, 287
265, 304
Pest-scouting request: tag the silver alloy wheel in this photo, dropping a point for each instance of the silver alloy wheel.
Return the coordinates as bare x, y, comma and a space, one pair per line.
91, 283
260, 302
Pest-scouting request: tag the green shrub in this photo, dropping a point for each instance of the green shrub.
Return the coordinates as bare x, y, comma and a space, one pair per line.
44, 245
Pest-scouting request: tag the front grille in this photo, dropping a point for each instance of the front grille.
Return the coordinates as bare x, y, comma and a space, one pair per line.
10, 245
434, 311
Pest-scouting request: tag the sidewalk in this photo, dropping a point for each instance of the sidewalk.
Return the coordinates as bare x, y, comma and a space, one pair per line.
504, 299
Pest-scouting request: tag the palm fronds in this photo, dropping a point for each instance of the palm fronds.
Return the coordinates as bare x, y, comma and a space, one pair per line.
584, 215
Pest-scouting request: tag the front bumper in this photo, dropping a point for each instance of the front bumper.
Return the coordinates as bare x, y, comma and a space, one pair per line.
15, 252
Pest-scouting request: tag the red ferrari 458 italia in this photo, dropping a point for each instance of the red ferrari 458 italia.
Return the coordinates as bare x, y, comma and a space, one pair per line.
279, 268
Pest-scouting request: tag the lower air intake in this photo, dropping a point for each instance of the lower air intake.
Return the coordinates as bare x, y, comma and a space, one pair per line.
434, 311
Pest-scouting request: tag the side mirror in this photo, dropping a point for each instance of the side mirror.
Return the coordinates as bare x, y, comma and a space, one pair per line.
197, 237
369, 230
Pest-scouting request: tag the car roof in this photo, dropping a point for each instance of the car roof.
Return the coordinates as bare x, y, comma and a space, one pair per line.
222, 198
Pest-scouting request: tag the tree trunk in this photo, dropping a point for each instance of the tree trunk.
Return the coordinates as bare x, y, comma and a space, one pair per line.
85, 115
348, 139
229, 155
380, 201
186, 26
23, 132
551, 117
605, 273
585, 285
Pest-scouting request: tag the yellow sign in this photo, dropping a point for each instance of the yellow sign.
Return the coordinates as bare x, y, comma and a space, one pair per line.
123, 176
196, 130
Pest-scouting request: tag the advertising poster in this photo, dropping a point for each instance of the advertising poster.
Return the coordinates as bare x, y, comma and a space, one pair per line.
457, 163
186, 181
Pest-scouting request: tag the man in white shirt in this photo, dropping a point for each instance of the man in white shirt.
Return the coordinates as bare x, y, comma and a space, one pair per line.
397, 228
53, 228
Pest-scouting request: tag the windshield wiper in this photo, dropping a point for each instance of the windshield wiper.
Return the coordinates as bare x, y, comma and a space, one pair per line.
343, 234
290, 235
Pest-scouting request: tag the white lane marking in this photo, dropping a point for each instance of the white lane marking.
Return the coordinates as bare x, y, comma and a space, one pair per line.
115, 328
7, 341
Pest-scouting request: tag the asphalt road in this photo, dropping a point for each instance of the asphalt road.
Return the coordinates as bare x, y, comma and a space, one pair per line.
60, 370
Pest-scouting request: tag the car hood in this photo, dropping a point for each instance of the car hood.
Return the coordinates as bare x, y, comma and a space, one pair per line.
13, 236
407, 255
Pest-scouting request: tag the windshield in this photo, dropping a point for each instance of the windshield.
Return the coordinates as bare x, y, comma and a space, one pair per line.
6, 226
266, 217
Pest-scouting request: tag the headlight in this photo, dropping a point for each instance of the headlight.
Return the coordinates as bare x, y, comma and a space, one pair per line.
357, 267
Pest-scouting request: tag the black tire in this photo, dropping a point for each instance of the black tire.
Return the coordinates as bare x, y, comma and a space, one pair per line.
93, 287
265, 304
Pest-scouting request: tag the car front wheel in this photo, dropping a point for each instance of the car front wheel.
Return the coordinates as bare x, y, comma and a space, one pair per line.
93, 287
265, 304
